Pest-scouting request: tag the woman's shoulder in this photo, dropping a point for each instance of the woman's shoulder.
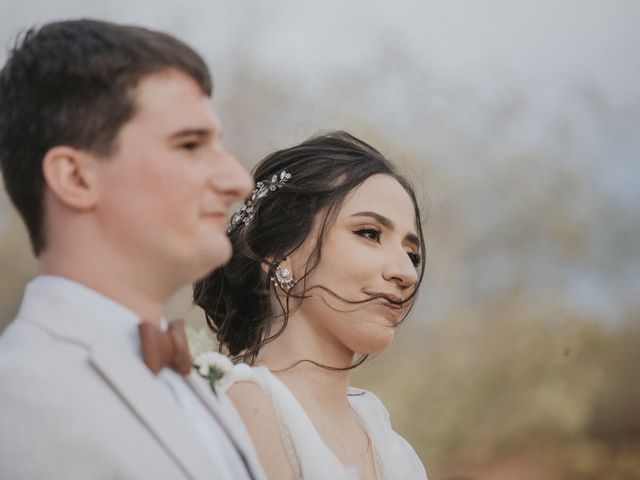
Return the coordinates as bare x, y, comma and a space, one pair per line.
246, 377
249, 392
251, 395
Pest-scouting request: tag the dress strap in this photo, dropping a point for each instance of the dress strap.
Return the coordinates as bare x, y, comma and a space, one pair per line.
311, 457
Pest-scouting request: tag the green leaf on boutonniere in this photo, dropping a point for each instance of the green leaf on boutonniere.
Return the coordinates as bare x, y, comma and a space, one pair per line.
216, 368
214, 375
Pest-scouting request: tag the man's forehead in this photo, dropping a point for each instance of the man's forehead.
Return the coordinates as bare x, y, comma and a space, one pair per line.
173, 98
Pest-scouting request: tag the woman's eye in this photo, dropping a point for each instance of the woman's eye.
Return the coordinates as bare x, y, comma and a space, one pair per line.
370, 233
415, 258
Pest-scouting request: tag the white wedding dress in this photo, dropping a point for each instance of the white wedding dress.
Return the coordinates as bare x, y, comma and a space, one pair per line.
394, 458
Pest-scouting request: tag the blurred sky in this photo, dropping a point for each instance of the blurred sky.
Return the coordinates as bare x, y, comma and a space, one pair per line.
549, 49
547, 42
473, 83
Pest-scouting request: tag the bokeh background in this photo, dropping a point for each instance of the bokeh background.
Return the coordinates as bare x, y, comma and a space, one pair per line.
519, 123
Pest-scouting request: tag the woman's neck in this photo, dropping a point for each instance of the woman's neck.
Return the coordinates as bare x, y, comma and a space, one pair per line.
299, 357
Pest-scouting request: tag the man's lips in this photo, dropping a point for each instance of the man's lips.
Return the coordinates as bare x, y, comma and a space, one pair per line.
215, 215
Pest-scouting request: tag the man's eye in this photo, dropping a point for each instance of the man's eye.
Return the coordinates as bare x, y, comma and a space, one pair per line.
370, 233
189, 145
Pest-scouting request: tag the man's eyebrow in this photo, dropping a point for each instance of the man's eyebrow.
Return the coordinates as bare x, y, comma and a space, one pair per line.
387, 223
191, 132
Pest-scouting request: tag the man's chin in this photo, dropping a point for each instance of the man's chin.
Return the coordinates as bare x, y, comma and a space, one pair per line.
219, 255
216, 253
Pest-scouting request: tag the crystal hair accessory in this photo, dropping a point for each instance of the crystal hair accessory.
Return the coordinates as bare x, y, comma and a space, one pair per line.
247, 210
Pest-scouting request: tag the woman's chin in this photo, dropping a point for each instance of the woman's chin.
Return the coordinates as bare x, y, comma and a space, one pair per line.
377, 341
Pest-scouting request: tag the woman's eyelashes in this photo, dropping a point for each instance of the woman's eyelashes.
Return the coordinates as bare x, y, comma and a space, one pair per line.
371, 233
375, 234
415, 258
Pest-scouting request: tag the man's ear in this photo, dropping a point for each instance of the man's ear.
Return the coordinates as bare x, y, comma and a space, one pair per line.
70, 175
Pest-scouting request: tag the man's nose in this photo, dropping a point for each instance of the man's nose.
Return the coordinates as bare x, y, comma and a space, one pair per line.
233, 178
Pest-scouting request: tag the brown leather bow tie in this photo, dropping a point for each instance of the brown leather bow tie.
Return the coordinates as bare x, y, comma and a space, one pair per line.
161, 349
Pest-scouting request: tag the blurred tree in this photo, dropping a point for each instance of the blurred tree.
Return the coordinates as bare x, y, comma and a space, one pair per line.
17, 264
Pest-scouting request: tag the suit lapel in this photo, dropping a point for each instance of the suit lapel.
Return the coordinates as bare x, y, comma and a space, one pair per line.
155, 408
151, 403
224, 412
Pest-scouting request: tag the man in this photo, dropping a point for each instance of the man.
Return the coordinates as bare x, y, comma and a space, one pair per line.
110, 151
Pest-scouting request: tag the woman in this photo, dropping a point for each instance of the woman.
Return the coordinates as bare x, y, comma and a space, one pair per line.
326, 264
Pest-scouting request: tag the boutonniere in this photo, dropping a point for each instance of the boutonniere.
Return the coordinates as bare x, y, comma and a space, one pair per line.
217, 368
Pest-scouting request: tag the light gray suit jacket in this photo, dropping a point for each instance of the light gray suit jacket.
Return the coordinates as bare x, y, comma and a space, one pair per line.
74, 404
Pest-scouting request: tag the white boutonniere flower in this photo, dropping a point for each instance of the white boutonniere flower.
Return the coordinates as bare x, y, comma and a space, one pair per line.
217, 368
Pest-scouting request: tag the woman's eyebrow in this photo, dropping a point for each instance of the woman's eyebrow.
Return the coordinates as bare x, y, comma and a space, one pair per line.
384, 221
387, 223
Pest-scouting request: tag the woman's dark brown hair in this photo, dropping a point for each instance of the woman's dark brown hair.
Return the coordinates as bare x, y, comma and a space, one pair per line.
237, 298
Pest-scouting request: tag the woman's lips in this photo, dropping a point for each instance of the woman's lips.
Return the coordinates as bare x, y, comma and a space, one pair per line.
388, 300
391, 297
